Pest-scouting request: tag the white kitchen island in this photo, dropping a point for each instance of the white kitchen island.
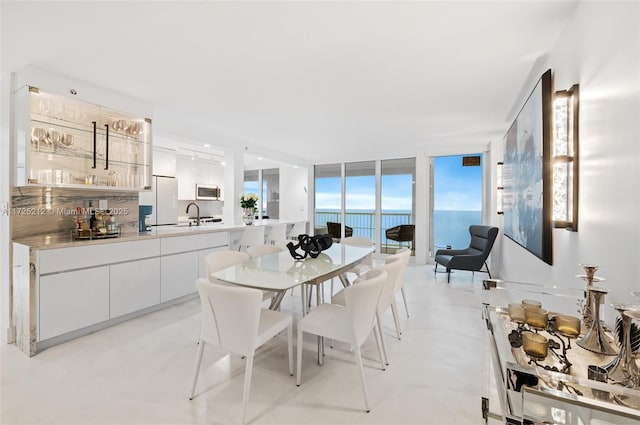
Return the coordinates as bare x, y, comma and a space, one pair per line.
65, 288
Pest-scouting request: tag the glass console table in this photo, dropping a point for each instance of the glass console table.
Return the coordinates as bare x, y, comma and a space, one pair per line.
522, 390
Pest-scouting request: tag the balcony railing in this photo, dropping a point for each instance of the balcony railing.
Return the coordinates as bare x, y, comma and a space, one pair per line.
364, 224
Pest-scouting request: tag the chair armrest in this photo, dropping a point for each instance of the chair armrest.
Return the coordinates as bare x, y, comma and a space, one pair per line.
451, 252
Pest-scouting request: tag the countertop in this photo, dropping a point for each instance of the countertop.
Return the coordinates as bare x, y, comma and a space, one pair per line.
61, 240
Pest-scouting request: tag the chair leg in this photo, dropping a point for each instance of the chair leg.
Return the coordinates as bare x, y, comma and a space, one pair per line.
197, 368
378, 332
356, 351
299, 359
394, 311
247, 386
435, 269
448, 275
404, 299
485, 264
290, 347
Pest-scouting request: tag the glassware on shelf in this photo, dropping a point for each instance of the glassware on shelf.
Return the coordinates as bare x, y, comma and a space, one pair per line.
536, 317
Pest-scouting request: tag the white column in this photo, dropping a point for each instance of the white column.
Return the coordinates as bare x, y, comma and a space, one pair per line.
233, 184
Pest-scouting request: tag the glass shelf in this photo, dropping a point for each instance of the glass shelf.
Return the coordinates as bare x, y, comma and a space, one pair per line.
65, 142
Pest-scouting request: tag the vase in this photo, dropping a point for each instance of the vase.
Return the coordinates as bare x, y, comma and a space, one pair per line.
247, 217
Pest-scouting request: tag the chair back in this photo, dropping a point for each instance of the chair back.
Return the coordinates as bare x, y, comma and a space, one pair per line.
299, 228
208, 328
252, 235
277, 232
482, 239
361, 299
360, 241
405, 255
335, 230
357, 241
393, 267
236, 314
256, 251
219, 260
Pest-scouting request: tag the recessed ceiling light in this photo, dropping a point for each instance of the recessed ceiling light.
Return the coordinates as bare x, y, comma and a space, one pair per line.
259, 158
207, 145
223, 163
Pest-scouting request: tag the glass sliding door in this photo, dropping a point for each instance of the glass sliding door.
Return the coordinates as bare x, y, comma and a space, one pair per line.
360, 198
456, 199
398, 204
328, 195
271, 193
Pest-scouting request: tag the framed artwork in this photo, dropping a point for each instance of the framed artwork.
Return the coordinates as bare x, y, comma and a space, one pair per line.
527, 173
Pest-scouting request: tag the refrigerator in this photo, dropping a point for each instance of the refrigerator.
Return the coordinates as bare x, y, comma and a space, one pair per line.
164, 200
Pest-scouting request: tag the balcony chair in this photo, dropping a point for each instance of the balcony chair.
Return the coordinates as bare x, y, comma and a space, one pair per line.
402, 233
474, 256
335, 230
233, 320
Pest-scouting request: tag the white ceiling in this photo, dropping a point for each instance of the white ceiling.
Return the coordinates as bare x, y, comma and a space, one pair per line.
319, 81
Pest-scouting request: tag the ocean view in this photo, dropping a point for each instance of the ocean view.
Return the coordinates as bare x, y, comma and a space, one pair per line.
450, 227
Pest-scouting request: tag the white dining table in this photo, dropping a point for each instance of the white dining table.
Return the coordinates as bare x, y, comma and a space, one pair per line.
280, 272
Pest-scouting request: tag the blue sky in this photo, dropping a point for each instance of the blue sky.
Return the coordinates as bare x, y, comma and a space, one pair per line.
456, 188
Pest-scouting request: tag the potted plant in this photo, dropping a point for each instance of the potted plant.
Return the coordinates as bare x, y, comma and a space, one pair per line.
248, 202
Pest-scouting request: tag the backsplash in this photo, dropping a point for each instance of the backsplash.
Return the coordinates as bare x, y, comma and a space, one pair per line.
42, 211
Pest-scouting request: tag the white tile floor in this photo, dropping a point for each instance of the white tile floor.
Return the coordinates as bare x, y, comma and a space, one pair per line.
139, 372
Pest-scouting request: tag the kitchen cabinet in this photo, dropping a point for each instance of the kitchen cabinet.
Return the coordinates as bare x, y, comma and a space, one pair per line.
73, 300
61, 141
179, 274
134, 285
190, 172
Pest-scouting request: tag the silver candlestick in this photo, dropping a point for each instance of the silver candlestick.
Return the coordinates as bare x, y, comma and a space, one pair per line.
618, 369
596, 340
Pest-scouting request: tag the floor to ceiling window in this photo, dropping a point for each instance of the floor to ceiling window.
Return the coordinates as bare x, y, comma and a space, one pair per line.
456, 199
360, 198
398, 201
266, 185
328, 195
369, 210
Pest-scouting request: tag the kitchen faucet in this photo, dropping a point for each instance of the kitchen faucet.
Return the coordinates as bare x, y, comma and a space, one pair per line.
197, 212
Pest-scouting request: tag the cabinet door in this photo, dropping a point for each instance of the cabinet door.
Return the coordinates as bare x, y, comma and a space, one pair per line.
178, 275
185, 173
134, 286
70, 143
72, 300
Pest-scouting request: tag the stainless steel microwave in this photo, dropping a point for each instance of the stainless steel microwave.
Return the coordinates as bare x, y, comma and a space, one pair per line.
207, 192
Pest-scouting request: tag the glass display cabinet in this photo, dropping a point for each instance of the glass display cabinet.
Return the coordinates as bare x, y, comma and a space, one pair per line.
64, 142
560, 381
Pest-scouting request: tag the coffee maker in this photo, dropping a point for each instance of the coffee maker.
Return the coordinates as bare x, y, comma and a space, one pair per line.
143, 212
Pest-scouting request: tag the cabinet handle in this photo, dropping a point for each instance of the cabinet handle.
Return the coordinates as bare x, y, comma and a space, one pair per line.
106, 156
94, 143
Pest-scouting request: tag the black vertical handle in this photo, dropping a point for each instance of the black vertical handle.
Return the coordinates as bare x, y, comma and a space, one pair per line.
94, 143
106, 153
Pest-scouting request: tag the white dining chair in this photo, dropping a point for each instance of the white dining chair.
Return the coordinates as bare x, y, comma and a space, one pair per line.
364, 265
351, 323
233, 320
252, 235
219, 260
277, 234
405, 254
256, 251
393, 266
299, 228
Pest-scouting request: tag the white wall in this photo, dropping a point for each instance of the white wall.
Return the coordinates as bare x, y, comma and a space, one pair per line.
600, 50
293, 193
